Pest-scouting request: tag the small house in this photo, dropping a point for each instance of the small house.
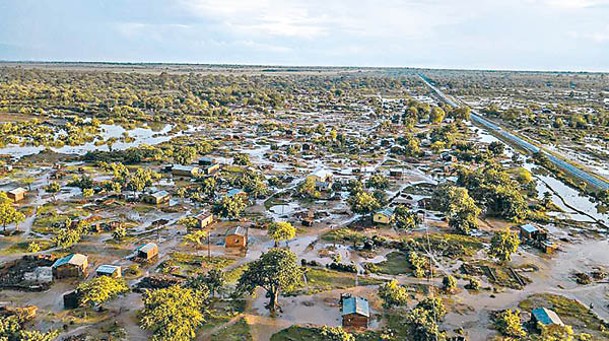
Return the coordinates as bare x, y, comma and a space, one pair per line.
109, 270
545, 317
74, 265
355, 312
396, 172
236, 237
71, 300
322, 175
211, 169
384, 216
181, 170
147, 251
236, 192
528, 232
16, 194
206, 161
156, 198
204, 219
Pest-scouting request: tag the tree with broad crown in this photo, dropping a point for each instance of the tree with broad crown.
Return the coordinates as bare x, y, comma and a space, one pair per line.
363, 202
101, 289
280, 231
509, 323
8, 213
503, 244
173, 314
274, 271
393, 294
336, 334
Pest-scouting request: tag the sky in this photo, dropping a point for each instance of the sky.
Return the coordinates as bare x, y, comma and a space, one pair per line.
568, 35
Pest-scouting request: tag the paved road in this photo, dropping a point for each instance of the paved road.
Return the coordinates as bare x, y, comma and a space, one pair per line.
565, 166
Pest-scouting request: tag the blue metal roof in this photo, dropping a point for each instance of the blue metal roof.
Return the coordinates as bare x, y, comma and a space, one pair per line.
356, 305
388, 211
76, 259
529, 228
546, 316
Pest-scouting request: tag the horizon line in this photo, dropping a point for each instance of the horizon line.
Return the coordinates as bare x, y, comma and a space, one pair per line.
228, 64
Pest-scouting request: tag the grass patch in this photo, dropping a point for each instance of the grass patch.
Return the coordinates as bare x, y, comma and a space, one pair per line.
232, 276
570, 311
320, 279
21, 247
187, 264
298, 333
240, 331
344, 235
450, 245
396, 264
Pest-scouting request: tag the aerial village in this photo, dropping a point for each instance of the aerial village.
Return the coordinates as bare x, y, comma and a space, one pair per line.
330, 204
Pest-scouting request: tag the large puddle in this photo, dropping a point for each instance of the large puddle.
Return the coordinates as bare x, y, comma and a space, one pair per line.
139, 136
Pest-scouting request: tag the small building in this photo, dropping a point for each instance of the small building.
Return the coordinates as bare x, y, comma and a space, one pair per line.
181, 170
109, 270
211, 169
528, 232
236, 192
236, 237
384, 216
73, 265
396, 172
355, 312
71, 300
206, 161
205, 219
156, 198
147, 251
545, 317
322, 175
16, 194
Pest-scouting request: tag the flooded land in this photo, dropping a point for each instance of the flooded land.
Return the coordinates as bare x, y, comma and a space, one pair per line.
185, 202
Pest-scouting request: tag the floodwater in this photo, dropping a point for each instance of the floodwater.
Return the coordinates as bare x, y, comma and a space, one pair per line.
140, 136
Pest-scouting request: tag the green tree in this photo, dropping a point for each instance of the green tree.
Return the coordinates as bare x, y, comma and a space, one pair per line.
8, 213
215, 280
173, 314
449, 283
185, 155
230, 207
378, 181
53, 188
417, 263
362, 202
281, 231
274, 271
393, 294
462, 210
336, 334
308, 189
101, 289
405, 218
437, 115
503, 244
119, 233
196, 238
509, 323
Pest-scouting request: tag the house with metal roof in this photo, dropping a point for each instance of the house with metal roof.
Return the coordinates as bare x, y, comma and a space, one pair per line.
73, 265
16, 194
545, 317
182, 170
355, 312
147, 251
109, 270
156, 198
236, 237
384, 216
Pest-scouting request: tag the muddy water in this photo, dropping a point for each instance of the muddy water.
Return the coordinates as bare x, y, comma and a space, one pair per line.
140, 136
